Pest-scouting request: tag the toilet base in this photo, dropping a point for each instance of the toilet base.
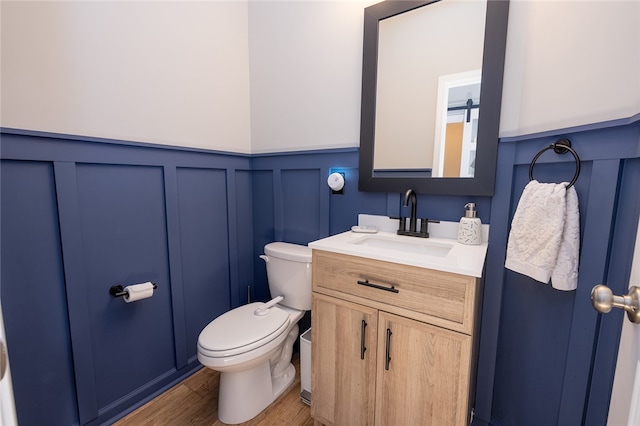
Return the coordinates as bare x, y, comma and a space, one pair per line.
283, 382
245, 394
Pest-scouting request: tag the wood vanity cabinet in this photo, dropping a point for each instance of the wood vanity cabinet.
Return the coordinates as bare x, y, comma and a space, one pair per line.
400, 353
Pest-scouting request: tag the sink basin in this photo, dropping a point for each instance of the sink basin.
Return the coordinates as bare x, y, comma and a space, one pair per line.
405, 244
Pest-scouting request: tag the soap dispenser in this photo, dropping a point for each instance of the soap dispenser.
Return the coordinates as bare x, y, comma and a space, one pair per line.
469, 230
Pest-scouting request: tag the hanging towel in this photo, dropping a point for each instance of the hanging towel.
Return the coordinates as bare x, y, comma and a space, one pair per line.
565, 274
545, 235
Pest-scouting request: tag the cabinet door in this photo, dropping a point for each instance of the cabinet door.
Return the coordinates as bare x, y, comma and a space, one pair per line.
343, 360
423, 373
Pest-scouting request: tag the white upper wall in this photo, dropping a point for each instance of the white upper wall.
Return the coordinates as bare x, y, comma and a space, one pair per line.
306, 74
269, 76
570, 63
173, 73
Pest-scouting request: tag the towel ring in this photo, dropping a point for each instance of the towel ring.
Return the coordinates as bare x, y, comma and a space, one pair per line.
561, 146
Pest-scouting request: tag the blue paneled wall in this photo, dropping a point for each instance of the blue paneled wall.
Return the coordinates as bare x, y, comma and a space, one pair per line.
34, 299
546, 356
80, 215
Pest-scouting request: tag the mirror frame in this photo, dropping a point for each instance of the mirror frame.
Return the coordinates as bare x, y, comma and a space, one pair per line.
493, 55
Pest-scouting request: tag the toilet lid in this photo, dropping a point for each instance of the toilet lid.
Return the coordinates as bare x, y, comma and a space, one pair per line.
223, 333
288, 251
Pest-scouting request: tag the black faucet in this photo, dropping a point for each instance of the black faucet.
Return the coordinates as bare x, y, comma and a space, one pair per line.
410, 195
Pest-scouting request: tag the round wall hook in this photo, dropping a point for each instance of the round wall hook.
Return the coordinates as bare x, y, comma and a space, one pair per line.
561, 145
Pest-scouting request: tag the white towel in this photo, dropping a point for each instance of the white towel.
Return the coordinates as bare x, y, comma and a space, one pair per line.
545, 235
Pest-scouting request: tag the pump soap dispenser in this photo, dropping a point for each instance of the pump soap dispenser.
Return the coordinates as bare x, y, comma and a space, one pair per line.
469, 228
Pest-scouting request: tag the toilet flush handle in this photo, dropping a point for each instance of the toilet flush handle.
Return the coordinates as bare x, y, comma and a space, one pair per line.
264, 309
264, 257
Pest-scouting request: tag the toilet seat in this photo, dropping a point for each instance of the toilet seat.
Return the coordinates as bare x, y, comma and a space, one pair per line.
240, 330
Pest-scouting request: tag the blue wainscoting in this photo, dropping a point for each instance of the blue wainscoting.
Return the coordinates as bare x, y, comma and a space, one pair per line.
82, 214
546, 356
203, 230
123, 227
34, 300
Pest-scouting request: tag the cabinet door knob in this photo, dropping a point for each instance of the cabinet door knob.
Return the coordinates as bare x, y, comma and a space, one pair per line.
387, 360
363, 348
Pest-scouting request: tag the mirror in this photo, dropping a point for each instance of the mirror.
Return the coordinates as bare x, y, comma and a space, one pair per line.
431, 93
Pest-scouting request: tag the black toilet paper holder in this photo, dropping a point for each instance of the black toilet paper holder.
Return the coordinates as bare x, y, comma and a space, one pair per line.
119, 291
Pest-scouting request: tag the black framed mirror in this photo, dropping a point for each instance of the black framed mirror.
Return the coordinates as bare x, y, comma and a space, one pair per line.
422, 102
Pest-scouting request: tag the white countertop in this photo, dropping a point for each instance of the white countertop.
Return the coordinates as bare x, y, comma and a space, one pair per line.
461, 259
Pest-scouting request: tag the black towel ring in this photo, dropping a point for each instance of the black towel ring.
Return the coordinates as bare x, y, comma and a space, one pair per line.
561, 146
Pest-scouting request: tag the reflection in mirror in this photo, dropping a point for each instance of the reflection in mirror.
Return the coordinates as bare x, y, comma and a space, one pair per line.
408, 81
456, 125
427, 67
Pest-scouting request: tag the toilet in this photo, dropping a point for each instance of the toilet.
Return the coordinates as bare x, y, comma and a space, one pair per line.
251, 346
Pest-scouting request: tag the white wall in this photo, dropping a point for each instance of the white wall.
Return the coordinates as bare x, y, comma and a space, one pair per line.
570, 63
306, 74
268, 76
172, 73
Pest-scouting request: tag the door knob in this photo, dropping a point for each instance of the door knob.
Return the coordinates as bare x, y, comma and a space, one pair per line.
3, 359
604, 300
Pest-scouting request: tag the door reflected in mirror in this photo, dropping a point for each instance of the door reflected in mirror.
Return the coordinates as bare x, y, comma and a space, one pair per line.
456, 125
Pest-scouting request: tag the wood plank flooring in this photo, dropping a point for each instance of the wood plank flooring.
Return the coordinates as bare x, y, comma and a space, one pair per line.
194, 401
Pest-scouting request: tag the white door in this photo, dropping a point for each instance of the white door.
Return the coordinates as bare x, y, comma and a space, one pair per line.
625, 399
7, 407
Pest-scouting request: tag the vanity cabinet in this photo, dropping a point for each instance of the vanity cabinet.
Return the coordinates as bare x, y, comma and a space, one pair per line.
344, 337
392, 344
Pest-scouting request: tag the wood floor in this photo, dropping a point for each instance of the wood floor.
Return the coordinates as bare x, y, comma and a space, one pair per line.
194, 401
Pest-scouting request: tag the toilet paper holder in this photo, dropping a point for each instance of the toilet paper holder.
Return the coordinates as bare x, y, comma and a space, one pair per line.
118, 291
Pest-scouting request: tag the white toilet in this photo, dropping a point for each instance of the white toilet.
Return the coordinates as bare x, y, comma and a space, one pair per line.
251, 346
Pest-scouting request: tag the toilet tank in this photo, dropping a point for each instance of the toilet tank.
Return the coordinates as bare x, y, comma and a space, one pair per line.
289, 273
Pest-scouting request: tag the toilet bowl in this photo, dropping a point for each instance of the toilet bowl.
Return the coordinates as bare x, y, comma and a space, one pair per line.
251, 346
